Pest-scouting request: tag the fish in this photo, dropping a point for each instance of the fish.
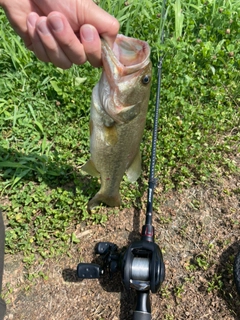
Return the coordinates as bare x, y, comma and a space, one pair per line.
118, 113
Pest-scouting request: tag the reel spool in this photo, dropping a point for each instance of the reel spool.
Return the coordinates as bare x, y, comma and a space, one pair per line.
142, 267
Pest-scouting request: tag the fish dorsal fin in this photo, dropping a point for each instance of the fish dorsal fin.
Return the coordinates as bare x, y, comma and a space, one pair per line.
134, 170
90, 168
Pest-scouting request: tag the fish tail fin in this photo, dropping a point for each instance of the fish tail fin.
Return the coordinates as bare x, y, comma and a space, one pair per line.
111, 201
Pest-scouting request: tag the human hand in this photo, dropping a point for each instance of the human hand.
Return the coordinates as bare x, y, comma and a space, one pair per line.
62, 32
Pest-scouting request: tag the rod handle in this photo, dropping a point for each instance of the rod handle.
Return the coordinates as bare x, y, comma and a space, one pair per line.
143, 308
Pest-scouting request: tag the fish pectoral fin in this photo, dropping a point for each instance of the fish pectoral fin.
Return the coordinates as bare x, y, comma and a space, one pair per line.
99, 198
134, 170
90, 168
127, 114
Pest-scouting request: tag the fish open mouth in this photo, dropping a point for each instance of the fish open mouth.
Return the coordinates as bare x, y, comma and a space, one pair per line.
130, 51
127, 56
125, 66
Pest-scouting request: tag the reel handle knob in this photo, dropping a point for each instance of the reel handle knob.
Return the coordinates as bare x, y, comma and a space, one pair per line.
104, 247
89, 271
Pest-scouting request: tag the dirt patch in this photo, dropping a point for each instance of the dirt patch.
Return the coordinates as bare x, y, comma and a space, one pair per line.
198, 230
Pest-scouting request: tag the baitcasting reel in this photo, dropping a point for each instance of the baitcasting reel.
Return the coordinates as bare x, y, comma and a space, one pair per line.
141, 267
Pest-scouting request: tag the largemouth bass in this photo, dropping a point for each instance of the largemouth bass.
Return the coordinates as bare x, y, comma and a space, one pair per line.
117, 117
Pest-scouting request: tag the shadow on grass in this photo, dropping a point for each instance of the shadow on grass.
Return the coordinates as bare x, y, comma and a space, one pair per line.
16, 166
225, 270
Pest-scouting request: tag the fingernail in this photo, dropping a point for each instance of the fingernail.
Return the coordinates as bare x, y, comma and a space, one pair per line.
87, 32
42, 27
56, 23
32, 19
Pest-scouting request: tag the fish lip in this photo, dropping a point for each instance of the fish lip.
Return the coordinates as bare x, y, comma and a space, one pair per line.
111, 60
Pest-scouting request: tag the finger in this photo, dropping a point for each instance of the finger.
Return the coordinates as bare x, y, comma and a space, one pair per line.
36, 43
27, 42
92, 44
17, 15
83, 12
53, 50
106, 25
66, 38
30, 47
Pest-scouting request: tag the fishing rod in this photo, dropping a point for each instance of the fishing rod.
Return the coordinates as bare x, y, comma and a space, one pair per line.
141, 265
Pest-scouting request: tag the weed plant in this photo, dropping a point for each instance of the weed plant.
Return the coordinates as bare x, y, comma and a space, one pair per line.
44, 115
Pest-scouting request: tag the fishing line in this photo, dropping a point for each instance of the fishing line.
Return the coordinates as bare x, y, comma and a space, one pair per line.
152, 180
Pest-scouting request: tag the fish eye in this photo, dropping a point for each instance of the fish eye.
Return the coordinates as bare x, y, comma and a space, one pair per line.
146, 79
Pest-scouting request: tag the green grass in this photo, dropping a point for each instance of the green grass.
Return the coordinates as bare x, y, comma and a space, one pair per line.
44, 114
